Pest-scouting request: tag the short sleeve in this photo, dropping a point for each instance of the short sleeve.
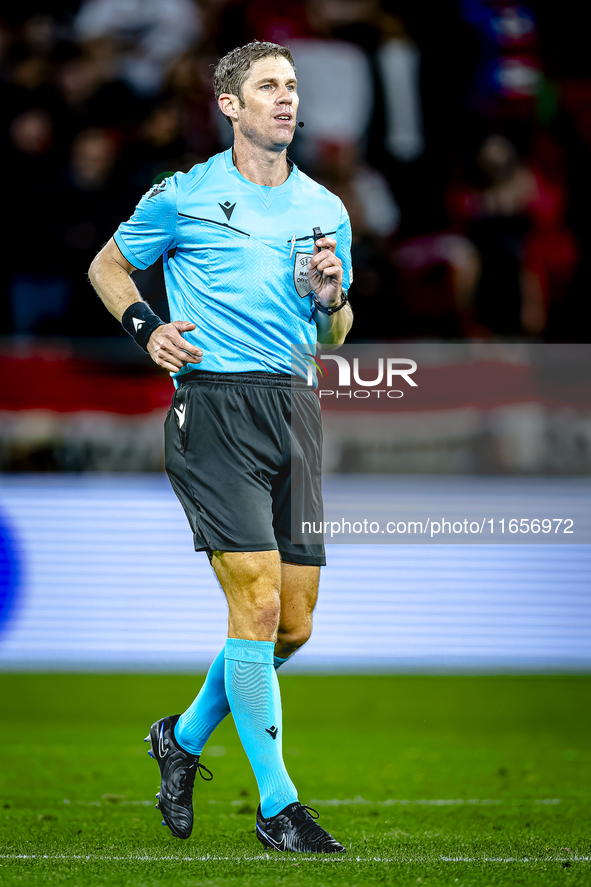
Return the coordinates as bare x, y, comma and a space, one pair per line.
152, 228
343, 237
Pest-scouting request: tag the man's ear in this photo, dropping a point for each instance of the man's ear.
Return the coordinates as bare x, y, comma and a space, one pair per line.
228, 104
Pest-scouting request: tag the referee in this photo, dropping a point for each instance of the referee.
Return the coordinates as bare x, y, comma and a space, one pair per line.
254, 257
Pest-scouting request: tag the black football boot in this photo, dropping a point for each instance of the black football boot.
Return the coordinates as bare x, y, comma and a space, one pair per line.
295, 829
178, 769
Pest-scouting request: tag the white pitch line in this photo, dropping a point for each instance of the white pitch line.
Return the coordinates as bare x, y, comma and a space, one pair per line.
423, 802
513, 859
353, 802
277, 857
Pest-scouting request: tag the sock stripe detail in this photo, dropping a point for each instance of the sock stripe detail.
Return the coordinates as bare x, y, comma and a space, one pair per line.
249, 651
210, 707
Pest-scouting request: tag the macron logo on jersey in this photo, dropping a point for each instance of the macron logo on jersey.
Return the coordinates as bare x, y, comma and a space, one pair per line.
181, 414
228, 209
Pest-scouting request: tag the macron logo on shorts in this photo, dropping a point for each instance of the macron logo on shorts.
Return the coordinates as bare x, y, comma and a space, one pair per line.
180, 413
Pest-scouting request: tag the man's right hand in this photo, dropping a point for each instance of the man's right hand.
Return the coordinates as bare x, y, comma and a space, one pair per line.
169, 350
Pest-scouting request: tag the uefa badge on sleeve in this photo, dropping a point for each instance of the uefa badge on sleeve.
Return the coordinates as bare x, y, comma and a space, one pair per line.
300, 274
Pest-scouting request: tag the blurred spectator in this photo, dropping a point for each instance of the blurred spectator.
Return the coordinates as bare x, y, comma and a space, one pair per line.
27, 83
94, 153
437, 275
37, 290
190, 80
159, 146
372, 209
39, 33
399, 63
328, 69
142, 37
494, 212
6, 38
375, 218
32, 133
375, 59
515, 216
92, 203
551, 249
91, 96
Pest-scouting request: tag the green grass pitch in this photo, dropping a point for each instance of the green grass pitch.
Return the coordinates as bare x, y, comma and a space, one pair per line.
441, 780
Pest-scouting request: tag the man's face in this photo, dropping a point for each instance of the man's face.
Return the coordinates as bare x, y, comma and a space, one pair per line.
270, 101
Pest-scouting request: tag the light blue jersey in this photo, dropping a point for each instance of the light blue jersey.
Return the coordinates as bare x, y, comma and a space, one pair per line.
235, 260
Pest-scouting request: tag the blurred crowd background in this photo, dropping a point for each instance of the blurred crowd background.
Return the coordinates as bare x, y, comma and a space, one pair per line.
457, 133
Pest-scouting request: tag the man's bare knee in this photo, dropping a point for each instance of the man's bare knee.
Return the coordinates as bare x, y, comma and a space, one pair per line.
251, 582
261, 618
289, 640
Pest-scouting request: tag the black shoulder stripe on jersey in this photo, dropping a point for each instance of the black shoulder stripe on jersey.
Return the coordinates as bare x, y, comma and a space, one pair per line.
311, 236
219, 224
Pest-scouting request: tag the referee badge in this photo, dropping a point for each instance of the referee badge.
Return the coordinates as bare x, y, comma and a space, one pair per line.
300, 274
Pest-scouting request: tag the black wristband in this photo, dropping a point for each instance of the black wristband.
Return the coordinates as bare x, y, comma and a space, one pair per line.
140, 322
335, 308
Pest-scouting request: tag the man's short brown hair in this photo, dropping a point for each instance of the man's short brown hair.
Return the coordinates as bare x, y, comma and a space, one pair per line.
232, 70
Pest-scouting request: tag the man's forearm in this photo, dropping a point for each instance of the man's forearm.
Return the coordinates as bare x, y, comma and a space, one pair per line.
333, 328
112, 282
110, 276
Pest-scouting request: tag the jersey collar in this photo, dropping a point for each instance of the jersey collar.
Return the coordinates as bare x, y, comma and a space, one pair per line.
266, 195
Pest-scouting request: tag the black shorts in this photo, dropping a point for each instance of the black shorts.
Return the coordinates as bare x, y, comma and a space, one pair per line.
244, 456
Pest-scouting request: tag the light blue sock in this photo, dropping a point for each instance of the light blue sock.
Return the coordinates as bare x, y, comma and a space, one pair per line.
195, 726
253, 693
208, 709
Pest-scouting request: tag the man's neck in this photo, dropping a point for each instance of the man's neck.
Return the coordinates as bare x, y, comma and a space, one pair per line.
263, 167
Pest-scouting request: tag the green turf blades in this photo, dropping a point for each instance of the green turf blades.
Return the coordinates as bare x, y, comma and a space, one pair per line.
388, 750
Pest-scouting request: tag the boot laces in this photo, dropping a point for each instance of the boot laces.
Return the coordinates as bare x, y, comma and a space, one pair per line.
309, 829
311, 811
190, 774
